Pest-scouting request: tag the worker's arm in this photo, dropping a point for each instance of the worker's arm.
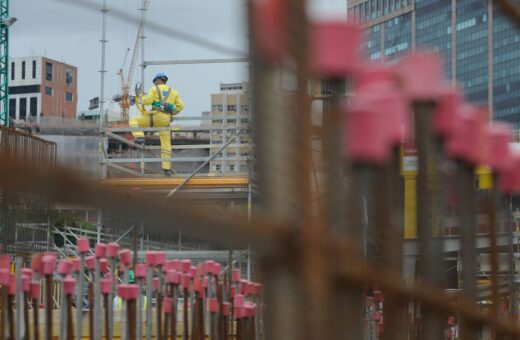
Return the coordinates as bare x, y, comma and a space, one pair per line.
179, 105
148, 99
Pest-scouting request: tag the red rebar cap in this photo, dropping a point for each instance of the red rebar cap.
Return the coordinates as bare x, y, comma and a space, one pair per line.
112, 250
103, 265
208, 266
152, 258
498, 149
155, 283
128, 291
176, 264
193, 271
173, 277
258, 289
90, 262
101, 250
5, 262
212, 305
200, 269
36, 263
226, 308
421, 76
509, 177
35, 290
447, 112
197, 285
233, 292
168, 265
48, 264
367, 138
12, 285
185, 281
451, 321
5, 277
377, 316
167, 305
236, 275
125, 256
140, 270
467, 142
64, 267
106, 286
26, 283
69, 285
75, 265
335, 48
270, 18
185, 266
244, 287
27, 272
238, 300
375, 76
83, 245
250, 309
205, 282
160, 258
217, 268
240, 312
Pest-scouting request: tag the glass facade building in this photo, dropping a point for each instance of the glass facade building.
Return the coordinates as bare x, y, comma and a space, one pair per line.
480, 46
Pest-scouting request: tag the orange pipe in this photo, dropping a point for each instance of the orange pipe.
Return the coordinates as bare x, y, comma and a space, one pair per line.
172, 182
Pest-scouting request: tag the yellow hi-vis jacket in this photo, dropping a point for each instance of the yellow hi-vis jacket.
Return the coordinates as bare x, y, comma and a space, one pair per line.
152, 98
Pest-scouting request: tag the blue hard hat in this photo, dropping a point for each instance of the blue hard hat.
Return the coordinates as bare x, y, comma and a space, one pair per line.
160, 75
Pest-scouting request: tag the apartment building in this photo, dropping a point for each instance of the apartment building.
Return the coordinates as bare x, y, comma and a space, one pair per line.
230, 115
41, 87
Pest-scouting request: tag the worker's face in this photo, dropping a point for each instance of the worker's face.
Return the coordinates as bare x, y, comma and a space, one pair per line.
158, 81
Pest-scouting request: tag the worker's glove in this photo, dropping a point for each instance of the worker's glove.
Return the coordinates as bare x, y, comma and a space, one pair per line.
139, 89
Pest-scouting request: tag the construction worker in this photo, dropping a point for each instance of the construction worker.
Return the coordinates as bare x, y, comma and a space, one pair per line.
165, 103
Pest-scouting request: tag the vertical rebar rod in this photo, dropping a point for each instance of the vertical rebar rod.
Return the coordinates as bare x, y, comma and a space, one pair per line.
140, 309
19, 299
79, 297
98, 324
48, 307
149, 277
429, 212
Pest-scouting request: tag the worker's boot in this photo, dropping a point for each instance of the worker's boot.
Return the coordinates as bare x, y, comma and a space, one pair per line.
167, 172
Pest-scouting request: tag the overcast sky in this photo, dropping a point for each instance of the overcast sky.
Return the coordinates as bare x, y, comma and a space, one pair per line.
71, 34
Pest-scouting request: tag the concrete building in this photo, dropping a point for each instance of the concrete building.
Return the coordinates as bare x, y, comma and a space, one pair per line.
479, 44
39, 86
230, 115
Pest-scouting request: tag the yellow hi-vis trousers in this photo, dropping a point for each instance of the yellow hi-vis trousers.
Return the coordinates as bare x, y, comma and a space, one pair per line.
156, 119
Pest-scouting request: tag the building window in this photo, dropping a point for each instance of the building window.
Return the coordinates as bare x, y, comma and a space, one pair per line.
23, 69
12, 108
244, 108
218, 167
12, 71
33, 109
23, 108
69, 79
232, 121
48, 71
244, 120
232, 108
34, 69
231, 167
68, 96
217, 107
48, 90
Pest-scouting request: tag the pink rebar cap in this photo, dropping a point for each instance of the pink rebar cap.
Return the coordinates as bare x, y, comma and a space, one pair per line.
421, 75
90, 262
140, 270
167, 305
64, 267
112, 250
212, 305
335, 47
83, 245
173, 277
36, 263
106, 286
101, 250
69, 285
271, 29
128, 291
125, 256
48, 264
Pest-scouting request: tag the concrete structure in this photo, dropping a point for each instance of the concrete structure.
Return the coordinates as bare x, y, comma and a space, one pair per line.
479, 44
230, 115
39, 86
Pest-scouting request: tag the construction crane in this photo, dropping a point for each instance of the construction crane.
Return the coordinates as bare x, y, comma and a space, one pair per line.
5, 22
125, 83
